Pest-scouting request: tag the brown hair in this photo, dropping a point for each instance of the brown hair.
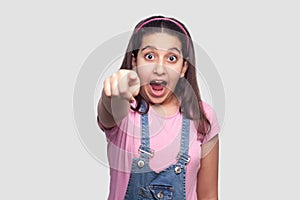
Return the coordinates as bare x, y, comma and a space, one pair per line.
187, 89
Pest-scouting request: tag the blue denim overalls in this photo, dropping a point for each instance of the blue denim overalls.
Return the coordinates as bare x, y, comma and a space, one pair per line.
144, 183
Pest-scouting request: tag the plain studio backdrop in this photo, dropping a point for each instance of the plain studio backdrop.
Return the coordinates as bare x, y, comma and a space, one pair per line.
254, 46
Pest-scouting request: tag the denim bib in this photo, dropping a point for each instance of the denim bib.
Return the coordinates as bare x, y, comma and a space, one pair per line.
144, 183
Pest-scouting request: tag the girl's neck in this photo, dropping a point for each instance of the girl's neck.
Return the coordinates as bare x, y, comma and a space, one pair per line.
167, 109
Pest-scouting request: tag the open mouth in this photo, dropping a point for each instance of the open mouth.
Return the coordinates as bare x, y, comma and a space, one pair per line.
158, 84
158, 88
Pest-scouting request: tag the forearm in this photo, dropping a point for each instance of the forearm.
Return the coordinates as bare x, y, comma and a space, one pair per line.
209, 198
207, 187
111, 110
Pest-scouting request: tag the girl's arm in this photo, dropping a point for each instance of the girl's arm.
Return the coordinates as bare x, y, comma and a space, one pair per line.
119, 89
207, 185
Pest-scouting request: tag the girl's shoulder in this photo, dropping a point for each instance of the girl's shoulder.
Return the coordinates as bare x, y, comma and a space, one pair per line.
213, 119
208, 109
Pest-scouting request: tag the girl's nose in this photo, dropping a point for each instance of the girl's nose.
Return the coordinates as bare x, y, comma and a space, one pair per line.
159, 68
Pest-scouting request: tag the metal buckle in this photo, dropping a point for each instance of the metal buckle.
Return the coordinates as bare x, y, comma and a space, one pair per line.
179, 156
151, 153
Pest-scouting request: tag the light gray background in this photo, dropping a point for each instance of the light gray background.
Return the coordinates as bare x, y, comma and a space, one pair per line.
43, 44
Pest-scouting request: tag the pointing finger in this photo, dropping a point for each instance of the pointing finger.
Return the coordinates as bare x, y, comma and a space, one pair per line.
132, 78
107, 87
114, 87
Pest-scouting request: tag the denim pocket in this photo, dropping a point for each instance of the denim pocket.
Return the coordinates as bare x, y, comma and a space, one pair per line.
144, 193
162, 192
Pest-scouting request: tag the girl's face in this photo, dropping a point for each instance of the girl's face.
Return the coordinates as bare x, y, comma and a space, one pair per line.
159, 64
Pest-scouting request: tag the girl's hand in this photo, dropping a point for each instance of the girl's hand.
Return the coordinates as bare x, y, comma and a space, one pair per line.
124, 84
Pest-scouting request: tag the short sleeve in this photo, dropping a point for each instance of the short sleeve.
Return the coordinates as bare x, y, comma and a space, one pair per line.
212, 117
101, 126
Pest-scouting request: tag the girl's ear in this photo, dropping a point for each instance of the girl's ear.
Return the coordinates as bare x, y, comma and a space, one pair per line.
184, 68
133, 61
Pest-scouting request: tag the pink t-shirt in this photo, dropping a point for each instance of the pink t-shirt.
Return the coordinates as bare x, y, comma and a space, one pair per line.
124, 141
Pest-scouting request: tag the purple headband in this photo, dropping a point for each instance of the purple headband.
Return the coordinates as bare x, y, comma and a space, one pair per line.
166, 19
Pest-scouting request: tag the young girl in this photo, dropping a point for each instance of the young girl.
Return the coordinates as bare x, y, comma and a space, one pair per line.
162, 138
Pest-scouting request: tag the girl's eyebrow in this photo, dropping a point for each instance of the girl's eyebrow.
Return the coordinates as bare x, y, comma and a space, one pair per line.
152, 47
149, 47
175, 49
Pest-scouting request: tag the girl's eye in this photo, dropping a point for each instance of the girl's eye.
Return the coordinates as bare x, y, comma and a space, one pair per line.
172, 58
149, 56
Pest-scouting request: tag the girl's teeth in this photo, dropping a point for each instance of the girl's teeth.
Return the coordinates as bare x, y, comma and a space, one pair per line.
158, 82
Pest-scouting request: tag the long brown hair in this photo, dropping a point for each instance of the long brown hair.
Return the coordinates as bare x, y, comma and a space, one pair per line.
187, 89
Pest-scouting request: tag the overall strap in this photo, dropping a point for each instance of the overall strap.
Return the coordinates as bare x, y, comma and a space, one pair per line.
144, 150
183, 155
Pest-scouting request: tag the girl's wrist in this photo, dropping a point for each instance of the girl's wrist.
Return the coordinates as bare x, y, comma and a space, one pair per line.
115, 105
